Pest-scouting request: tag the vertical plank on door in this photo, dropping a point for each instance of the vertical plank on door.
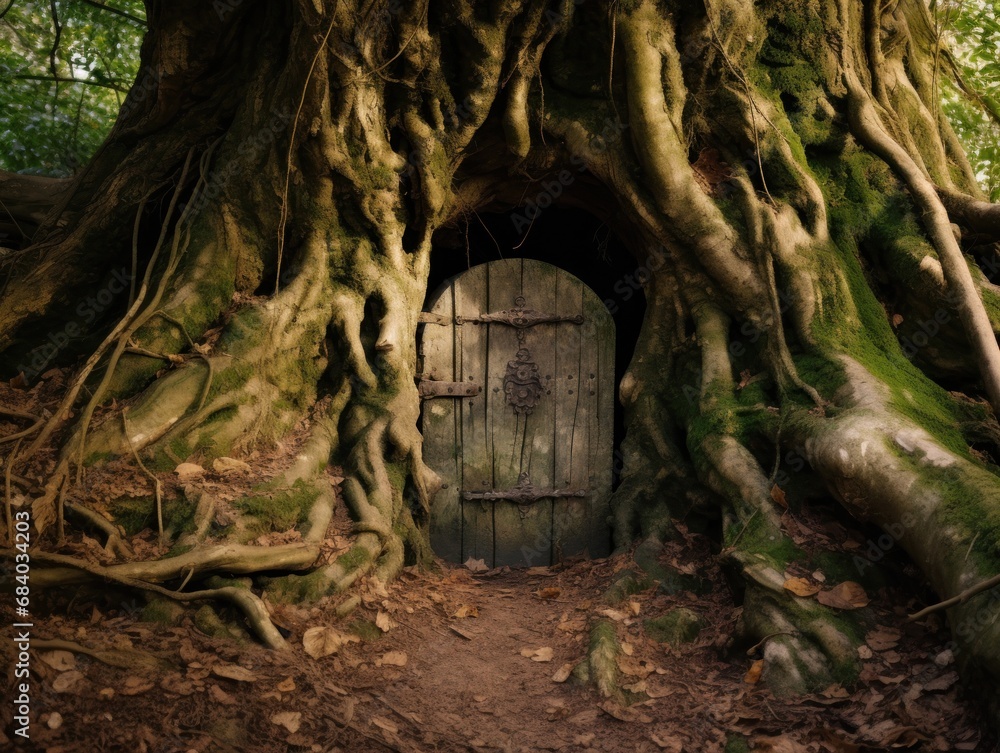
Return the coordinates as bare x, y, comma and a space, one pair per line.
601, 437
574, 417
440, 430
472, 353
523, 535
506, 429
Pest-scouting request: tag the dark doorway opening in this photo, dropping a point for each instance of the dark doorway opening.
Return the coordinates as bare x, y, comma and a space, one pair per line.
571, 239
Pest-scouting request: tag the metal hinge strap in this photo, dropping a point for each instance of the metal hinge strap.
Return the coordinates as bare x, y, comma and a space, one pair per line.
523, 493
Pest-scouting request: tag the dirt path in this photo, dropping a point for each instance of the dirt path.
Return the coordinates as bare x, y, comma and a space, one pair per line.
450, 674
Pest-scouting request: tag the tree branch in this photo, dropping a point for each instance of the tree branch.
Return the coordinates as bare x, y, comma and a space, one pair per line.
978, 216
116, 11
69, 80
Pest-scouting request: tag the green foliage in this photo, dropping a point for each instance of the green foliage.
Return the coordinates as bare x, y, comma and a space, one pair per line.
972, 27
62, 91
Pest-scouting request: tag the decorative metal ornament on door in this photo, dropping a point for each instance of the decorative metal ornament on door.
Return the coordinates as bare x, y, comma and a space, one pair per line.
518, 414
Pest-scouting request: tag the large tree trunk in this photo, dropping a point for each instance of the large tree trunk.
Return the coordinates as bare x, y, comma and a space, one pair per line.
286, 168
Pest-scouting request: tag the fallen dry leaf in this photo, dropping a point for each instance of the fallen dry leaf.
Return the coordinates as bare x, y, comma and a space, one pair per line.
846, 595
778, 495
801, 587
228, 465
385, 724
664, 742
188, 471
287, 685
65, 682
537, 654
135, 686
943, 682
465, 610
562, 674
322, 641
752, 677
58, 660
624, 713
476, 566
290, 720
234, 672
384, 622
883, 638
221, 696
614, 614
394, 659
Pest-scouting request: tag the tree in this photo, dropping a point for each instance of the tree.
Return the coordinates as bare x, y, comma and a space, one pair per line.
260, 222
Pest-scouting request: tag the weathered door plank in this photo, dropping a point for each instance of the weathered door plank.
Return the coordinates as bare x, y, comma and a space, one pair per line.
523, 534
441, 425
472, 346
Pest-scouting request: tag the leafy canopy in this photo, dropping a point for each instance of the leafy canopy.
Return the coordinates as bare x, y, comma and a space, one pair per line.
65, 67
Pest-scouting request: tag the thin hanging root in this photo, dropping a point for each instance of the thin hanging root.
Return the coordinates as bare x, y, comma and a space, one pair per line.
181, 231
157, 488
120, 328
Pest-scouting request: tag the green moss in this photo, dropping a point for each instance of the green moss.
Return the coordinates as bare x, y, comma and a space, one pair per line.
970, 505
736, 744
366, 630
677, 626
208, 621
854, 321
136, 514
354, 558
280, 510
296, 589
626, 583
162, 611
97, 457
758, 538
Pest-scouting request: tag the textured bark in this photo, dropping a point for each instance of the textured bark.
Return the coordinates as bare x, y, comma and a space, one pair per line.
781, 157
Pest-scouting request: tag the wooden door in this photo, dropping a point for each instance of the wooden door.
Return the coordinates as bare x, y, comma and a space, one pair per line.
518, 414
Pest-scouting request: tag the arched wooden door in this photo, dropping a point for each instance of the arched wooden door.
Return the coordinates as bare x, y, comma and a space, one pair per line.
518, 414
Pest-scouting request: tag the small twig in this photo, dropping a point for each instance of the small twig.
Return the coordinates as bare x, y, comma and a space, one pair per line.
22, 434
17, 414
757, 646
971, 544
187, 578
744, 528
961, 598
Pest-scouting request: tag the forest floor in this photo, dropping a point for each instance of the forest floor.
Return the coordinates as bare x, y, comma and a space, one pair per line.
467, 659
